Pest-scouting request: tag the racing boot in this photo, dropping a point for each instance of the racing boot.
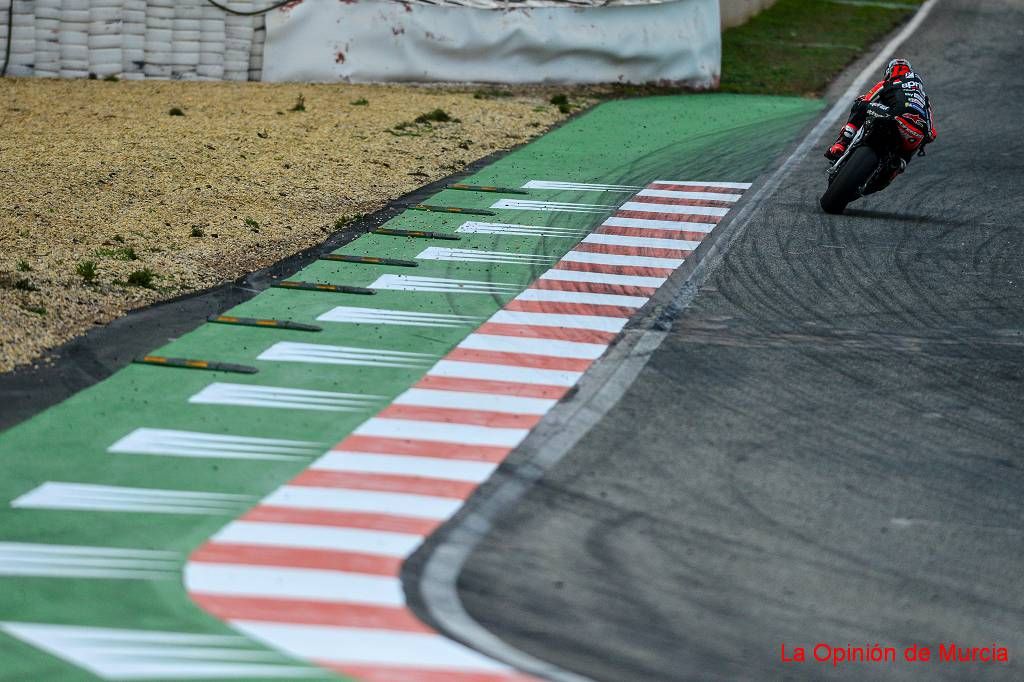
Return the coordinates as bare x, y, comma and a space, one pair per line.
839, 148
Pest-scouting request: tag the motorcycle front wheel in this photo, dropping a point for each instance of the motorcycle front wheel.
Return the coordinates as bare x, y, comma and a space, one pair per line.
845, 187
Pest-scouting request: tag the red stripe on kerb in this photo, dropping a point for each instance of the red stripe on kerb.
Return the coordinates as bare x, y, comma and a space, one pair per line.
655, 233
391, 483
646, 252
307, 612
695, 188
593, 287
422, 448
639, 271
561, 308
338, 519
262, 555
670, 217
376, 673
489, 386
492, 357
644, 199
451, 415
553, 333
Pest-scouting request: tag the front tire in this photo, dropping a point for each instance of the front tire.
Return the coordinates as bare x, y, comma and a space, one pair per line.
851, 177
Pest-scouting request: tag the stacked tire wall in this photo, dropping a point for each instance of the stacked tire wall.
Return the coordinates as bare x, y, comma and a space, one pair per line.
133, 39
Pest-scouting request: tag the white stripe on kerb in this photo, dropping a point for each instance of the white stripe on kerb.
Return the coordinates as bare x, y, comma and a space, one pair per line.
441, 431
592, 322
278, 582
559, 296
521, 375
704, 183
171, 443
545, 347
698, 196
641, 242
301, 536
646, 224
610, 259
603, 278
369, 501
673, 208
489, 402
355, 646
405, 465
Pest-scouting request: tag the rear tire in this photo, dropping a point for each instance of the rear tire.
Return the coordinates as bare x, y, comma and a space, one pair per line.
851, 177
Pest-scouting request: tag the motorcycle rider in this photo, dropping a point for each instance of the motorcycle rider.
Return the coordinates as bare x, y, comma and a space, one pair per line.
902, 91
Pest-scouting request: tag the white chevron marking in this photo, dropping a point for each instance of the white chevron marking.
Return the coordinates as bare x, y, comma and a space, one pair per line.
288, 351
172, 443
407, 318
73, 561
440, 285
88, 497
520, 230
530, 205
475, 256
578, 186
113, 654
248, 395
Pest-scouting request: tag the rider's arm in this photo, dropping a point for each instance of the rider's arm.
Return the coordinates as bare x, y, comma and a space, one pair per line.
873, 92
931, 133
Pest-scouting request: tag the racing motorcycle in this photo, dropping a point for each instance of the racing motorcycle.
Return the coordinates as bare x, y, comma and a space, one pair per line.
872, 161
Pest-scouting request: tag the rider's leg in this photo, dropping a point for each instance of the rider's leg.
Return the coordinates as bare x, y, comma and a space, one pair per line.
854, 123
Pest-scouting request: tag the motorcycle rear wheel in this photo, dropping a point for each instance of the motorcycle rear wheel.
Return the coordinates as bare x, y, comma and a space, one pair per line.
851, 177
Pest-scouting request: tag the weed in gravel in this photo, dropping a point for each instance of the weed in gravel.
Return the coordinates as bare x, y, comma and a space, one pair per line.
86, 270
435, 116
361, 102
23, 266
490, 93
196, 231
300, 103
341, 222
559, 99
252, 224
176, 111
142, 278
118, 238
120, 253
24, 285
111, 78
37, 309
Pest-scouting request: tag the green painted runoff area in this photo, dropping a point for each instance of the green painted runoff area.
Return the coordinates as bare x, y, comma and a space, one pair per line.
631, 142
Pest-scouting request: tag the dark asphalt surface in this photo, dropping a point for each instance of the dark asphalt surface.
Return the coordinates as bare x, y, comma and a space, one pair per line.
829, 446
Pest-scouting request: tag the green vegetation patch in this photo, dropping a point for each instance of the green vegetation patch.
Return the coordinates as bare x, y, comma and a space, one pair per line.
797, 47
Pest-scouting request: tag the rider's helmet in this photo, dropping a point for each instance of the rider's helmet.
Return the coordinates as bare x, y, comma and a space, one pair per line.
897, 68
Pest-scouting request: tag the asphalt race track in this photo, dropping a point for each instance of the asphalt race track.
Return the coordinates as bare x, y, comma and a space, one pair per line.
828, 445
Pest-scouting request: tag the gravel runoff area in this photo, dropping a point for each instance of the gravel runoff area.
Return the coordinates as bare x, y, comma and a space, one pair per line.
115, 195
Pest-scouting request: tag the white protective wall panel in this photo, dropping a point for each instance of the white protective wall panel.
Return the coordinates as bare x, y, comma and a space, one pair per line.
380, 40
